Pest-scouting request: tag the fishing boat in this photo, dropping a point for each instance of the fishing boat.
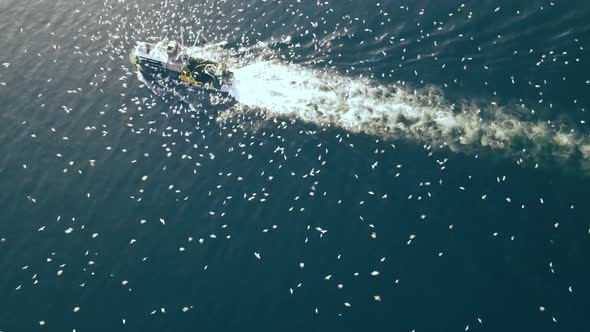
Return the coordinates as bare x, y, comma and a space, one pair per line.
172, 59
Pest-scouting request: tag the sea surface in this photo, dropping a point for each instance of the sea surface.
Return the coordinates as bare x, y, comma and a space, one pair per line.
384, 165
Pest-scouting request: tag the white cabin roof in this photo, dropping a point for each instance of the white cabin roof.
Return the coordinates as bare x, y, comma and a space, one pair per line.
153, 51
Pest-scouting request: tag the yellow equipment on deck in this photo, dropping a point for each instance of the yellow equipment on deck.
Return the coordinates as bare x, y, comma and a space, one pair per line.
187, 76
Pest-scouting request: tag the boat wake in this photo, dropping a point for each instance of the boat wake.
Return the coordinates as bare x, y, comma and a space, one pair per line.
391, 112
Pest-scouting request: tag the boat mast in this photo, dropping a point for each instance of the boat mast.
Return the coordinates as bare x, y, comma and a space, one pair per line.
182, 36
197, 38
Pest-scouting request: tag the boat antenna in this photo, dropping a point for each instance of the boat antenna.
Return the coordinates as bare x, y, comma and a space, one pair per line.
182, 36
197, 38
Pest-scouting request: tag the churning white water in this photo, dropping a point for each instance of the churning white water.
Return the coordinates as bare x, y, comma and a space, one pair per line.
390, 112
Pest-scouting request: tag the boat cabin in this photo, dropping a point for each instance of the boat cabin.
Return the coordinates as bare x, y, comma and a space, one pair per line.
172, 48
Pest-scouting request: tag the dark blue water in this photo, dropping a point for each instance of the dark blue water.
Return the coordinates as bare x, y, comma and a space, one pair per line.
394, 165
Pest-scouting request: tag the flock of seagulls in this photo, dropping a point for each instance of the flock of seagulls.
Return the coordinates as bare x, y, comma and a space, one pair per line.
314, 131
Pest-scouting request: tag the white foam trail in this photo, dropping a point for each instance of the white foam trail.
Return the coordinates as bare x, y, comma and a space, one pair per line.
361, 106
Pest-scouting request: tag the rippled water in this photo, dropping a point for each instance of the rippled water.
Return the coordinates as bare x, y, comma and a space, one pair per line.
392, 165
